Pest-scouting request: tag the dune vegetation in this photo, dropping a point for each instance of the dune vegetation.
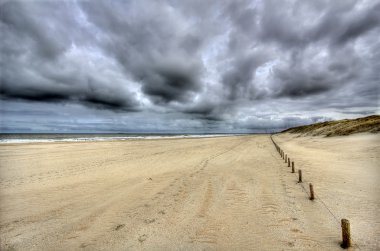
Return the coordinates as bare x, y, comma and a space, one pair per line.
340, 127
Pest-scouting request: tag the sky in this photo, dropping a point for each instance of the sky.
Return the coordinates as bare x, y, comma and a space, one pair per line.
189, 66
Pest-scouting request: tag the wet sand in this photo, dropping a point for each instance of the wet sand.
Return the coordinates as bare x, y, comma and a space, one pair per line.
230, 193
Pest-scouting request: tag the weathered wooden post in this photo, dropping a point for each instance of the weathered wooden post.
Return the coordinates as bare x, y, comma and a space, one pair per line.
292, 166
288, 162
311, 191
299, 176
286, 158
346, 234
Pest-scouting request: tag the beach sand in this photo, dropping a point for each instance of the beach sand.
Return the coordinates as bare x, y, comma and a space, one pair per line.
226, 193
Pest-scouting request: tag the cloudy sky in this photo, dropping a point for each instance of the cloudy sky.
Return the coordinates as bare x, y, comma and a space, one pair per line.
186, 66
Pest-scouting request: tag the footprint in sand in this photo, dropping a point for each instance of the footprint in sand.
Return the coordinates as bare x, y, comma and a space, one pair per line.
120, 226
295, 230
148, 221
83, 245
162, 212
142, 238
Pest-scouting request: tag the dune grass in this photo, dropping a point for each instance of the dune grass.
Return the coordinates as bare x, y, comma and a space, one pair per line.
340, 127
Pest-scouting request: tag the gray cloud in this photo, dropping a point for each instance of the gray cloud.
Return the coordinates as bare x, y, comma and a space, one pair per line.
170, 82
348, 26
154, 52
207, 111
206, 66
34, 64
238, 80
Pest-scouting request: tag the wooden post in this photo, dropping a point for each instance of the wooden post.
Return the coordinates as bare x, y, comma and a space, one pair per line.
288, 162
311, 191
286, 158
292, 166
346, 234
299, 176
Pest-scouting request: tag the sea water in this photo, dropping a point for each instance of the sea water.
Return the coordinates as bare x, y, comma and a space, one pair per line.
70, 137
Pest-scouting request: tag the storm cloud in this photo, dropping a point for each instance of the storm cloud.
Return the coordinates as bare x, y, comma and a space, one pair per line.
187, 66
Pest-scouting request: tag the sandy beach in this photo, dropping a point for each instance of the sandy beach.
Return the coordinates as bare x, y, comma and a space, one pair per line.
227, 193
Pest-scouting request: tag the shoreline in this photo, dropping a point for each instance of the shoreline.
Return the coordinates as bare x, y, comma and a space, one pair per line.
120, 138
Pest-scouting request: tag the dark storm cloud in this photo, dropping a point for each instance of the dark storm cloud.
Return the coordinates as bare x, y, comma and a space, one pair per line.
206, 110
25, 22
238, 80
336, 22
299, 79
297, 84
226, 65
95, 95
344, 25
36, 37
168, 83
151, 47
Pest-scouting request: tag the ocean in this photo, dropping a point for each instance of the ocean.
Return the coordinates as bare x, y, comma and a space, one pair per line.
74, 137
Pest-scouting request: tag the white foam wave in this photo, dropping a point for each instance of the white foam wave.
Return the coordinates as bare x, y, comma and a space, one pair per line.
85, 139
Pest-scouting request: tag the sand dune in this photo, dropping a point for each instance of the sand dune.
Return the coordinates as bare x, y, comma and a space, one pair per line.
231, 193
340, 127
